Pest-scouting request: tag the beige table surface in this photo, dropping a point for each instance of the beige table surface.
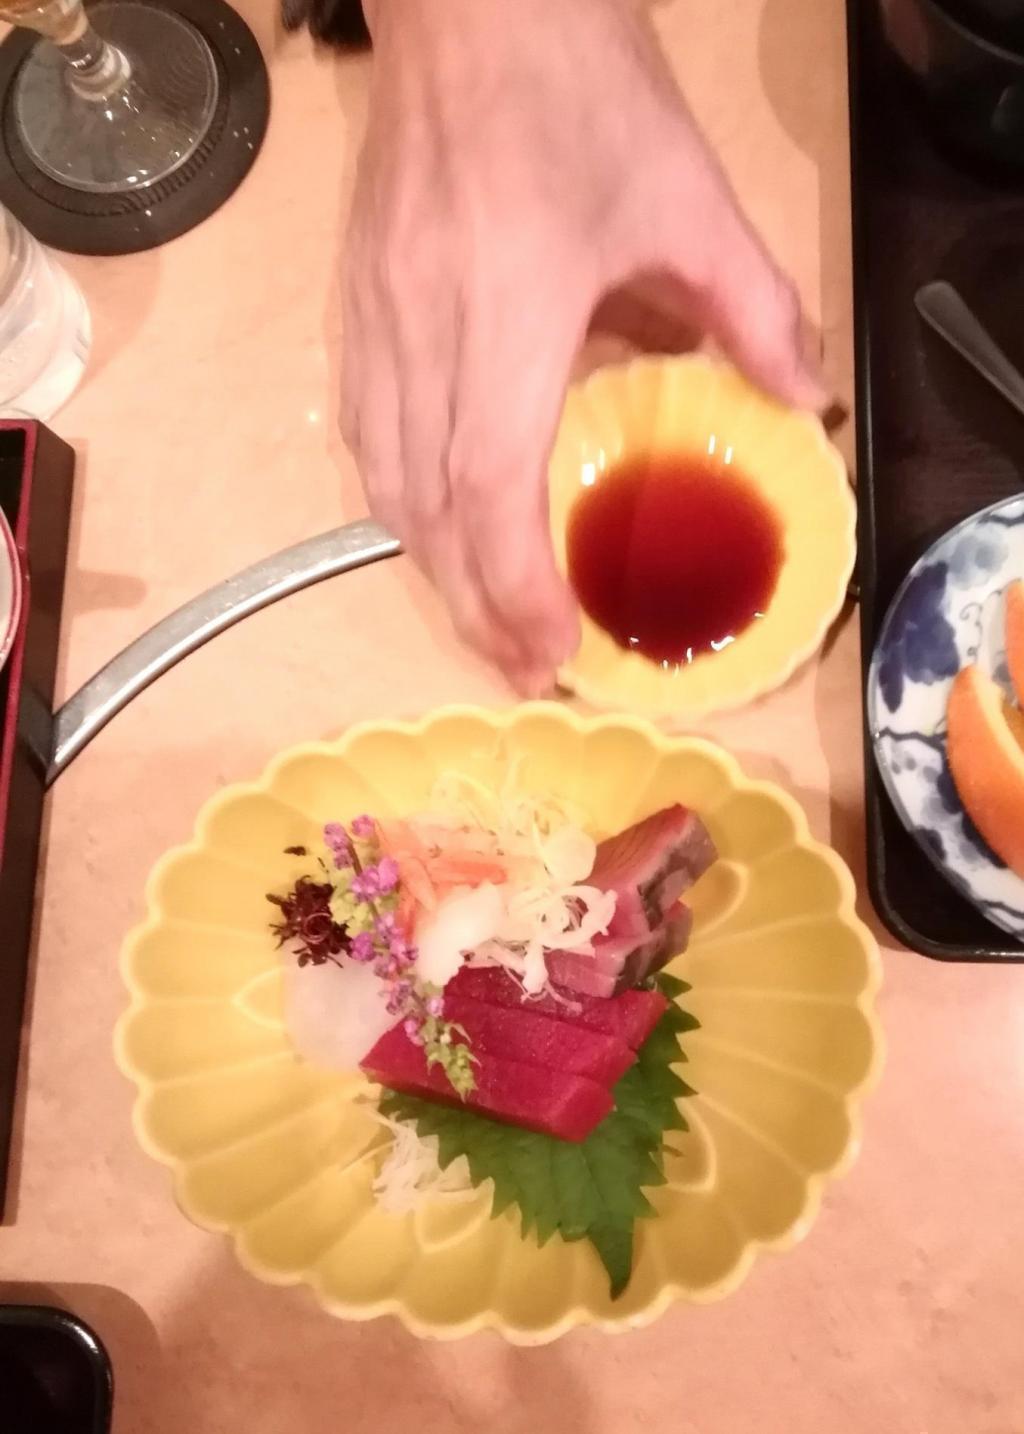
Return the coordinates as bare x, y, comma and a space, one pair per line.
206, 439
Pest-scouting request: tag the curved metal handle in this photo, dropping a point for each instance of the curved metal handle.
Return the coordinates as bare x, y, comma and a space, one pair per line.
340, 551
941, 306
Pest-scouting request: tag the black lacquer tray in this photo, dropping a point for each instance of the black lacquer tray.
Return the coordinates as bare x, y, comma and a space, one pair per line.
935, 444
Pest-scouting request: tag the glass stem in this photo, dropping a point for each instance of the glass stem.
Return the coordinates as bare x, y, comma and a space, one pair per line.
96, 70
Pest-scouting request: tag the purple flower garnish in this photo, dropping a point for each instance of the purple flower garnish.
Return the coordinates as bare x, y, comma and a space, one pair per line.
386, 967
364, 828
411, 1027
338, 844
365, 884
435, 1006
398, 997
401, 951
362, 948
387, 874
373, 881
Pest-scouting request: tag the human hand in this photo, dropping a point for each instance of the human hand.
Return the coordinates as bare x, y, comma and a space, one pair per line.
522, 162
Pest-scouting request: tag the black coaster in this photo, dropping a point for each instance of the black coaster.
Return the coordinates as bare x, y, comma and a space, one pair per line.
86, 223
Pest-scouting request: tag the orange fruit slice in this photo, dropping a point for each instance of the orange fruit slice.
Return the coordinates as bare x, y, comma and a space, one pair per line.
1015, 637
985, 743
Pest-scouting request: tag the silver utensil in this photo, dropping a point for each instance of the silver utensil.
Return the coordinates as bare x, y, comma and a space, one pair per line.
340, 551
944, 310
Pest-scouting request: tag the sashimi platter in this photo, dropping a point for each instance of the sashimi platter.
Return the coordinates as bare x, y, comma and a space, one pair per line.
520, 1021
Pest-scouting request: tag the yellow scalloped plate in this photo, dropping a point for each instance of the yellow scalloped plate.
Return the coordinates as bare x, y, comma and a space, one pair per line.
694, 406
276, 1153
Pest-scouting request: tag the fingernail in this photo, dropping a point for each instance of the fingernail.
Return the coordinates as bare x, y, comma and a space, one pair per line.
834, 415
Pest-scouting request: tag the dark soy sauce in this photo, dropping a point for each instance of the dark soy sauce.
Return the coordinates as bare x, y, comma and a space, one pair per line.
674, 556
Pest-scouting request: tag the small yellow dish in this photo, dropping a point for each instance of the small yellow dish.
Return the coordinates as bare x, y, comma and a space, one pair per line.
694, 407
279, 1155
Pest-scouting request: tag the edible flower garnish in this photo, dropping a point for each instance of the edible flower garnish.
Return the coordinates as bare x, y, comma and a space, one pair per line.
353, 912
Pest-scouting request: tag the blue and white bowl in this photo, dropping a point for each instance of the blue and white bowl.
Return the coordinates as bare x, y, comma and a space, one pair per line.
949, 612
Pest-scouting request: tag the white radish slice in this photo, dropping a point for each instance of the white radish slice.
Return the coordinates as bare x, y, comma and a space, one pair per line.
335, 1014
461, 922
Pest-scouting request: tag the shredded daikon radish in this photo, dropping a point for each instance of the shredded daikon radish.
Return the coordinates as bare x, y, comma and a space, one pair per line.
568, 854
411, 1174
507, 811
546, 904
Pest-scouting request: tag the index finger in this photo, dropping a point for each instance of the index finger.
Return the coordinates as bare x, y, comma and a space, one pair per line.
513, 371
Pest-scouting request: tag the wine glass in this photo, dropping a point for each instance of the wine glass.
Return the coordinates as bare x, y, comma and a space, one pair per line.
119, 98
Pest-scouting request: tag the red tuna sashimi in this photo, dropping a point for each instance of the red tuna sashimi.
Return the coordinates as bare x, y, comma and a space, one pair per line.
592, 975
578, 975
631, 1016
619, 962
641, 1012
525, 1035
650, 865
552, 1102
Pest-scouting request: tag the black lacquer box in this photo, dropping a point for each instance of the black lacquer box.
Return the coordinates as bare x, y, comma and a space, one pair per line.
36, 471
